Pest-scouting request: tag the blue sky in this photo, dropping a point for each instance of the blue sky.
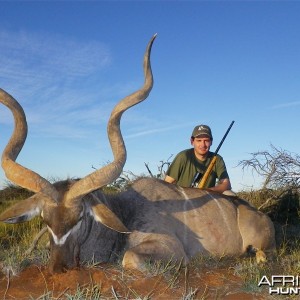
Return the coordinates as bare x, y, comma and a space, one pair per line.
69, 62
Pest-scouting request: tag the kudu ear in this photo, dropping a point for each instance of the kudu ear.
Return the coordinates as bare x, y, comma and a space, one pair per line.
23, 211
105, 216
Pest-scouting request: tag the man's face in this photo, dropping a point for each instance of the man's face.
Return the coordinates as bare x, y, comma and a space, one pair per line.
201, 145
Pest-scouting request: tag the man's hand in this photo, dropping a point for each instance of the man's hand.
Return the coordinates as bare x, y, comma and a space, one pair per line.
223, 185
169, 179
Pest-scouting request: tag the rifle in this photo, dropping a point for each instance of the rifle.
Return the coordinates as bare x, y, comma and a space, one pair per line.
212, 162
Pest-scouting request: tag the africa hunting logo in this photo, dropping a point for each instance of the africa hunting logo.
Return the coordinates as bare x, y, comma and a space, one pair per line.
281, 284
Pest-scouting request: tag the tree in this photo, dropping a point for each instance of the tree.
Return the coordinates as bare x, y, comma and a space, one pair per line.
127, 177
280, 170
161, 168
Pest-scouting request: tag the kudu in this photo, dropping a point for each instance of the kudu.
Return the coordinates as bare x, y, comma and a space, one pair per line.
151, 220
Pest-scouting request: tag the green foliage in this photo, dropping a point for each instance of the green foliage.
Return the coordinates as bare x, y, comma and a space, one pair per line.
282, 205
286, 210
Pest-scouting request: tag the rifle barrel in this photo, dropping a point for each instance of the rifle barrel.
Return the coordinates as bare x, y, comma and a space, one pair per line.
224, 137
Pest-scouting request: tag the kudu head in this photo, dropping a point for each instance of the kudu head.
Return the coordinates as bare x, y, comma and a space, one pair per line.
61, 204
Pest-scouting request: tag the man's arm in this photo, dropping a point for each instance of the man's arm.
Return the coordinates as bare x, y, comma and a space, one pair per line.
223, 185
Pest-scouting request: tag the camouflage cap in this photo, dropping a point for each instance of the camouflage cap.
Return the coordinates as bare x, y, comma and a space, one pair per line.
202, 130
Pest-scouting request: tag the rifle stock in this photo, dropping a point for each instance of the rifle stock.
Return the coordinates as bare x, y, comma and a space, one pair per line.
207, 172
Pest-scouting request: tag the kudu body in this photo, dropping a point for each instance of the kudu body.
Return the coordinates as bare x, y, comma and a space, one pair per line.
151, 220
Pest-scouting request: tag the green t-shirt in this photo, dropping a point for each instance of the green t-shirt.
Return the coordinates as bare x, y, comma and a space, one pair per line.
185, 165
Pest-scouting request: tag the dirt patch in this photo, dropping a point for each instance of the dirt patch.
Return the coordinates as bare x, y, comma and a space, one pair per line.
113, 283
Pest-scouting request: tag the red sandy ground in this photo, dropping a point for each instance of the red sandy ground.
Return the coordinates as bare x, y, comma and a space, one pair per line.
210, 284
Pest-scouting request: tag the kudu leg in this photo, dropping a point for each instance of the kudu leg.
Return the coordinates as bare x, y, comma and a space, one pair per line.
257, 232
153, 250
